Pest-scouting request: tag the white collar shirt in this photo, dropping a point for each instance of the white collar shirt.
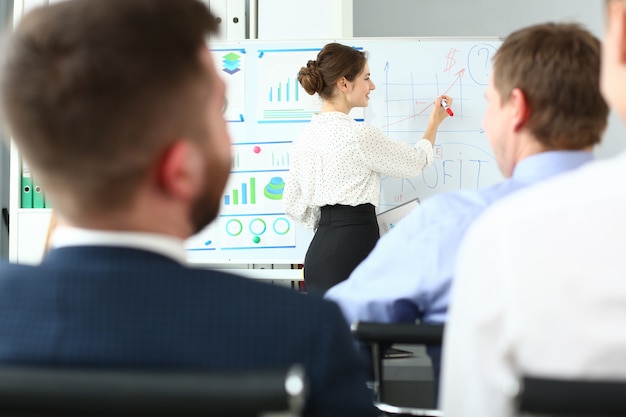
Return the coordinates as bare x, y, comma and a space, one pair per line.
540, 289
168, 246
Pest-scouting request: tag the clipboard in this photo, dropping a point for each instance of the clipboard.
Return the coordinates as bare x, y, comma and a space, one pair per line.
394, 353
388, 219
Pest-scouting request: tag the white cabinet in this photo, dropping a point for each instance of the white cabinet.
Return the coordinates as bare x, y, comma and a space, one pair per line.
32, 225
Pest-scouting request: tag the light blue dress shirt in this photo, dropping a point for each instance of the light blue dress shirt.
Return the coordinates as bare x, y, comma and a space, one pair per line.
409, 273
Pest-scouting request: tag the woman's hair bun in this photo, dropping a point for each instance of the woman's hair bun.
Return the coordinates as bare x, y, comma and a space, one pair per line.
310, 78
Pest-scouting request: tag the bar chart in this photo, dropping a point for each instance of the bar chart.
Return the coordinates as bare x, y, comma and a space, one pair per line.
246, 194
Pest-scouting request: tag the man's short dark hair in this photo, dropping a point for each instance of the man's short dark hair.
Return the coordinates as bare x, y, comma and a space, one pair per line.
91, 89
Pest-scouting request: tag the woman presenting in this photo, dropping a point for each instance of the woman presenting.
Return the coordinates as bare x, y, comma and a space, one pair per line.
334, 182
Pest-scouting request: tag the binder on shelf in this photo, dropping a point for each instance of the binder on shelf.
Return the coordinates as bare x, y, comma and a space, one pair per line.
38, 195
219, 9
236, 24
232, 20
27, 187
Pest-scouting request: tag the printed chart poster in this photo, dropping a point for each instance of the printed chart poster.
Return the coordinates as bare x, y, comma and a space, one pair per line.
231, 66
252, 214
281, 98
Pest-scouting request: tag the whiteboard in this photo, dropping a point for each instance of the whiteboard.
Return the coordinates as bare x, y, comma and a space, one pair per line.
267, 110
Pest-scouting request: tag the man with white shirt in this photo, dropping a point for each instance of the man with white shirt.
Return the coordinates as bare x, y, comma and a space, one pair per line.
544, 114
117, 107
541, 276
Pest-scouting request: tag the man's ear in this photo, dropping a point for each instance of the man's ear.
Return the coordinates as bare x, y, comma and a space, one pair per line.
180, 170
520, 108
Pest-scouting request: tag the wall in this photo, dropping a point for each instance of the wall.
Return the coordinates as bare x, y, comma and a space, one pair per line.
400, 18
6, 14
467, 18
278, 19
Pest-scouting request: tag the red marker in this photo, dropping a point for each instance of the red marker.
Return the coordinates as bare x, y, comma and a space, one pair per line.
444, 104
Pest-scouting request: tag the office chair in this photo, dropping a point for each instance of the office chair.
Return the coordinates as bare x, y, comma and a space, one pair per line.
43, 392
572, 397
381, 335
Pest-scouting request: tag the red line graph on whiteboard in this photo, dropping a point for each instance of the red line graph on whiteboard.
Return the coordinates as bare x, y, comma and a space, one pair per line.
422, 106
410, 95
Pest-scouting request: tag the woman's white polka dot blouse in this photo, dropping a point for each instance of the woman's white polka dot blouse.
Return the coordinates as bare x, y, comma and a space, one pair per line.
339, 161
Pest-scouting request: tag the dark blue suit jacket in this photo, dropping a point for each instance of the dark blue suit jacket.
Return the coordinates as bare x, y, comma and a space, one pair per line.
120, 307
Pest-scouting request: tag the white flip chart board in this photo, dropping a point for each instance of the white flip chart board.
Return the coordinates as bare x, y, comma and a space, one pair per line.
267, 109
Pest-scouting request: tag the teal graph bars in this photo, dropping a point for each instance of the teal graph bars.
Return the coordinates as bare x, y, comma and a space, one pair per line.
244, 195
280, 93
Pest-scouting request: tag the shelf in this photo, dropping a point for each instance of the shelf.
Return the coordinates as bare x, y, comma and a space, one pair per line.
271, 274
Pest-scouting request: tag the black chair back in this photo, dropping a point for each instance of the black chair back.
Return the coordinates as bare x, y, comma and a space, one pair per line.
572, 397
388, 333
30, 391
379, 336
